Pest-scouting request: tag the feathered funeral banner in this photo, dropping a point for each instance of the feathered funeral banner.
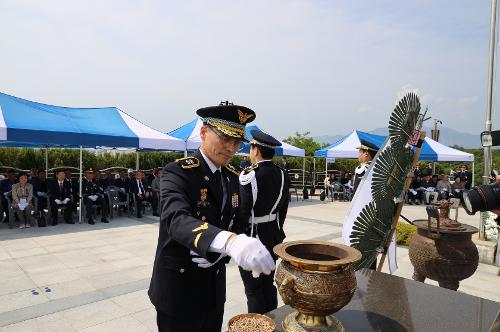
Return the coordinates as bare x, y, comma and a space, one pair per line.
370, 220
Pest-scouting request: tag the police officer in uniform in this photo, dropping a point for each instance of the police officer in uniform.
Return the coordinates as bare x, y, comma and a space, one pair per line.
264, 190
199, 202
367, 152
93, 195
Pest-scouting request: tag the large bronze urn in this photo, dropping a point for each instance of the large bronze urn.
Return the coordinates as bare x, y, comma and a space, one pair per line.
442, 249
317, 279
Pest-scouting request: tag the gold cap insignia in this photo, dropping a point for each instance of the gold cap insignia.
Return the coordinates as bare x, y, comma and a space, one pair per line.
243, 116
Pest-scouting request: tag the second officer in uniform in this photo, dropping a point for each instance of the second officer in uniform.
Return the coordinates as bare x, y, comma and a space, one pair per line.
93, 195
264, 190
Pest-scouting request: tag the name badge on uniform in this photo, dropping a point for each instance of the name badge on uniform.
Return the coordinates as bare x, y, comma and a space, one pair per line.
234, 200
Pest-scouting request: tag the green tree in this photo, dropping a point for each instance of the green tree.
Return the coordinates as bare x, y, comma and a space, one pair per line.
304, 141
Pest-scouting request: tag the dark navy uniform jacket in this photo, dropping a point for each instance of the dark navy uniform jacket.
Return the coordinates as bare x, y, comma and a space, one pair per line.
90, 188
191, 218
268, 177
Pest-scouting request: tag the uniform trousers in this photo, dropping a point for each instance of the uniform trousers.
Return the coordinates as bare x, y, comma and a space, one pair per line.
209, 320
261, 293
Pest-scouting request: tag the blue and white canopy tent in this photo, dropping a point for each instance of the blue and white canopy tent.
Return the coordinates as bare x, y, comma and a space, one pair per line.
190, 133
284, 150
27, 123
431, 150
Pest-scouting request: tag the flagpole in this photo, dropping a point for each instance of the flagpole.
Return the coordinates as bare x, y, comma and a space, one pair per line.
489, 108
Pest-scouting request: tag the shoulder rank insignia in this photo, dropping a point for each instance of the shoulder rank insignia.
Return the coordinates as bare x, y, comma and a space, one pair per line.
250, 168
188, 162
231, 168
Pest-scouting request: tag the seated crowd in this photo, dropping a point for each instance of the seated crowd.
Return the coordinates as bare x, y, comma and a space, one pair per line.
339, 186
34, 199
427, 188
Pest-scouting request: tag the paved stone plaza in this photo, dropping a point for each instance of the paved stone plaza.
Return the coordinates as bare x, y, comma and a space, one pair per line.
95, 278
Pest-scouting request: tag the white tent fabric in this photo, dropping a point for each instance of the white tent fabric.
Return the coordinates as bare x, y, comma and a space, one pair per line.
51, 125
431, 150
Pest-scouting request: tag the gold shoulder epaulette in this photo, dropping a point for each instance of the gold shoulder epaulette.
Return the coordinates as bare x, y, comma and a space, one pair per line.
250, 168
188, 162
231, 168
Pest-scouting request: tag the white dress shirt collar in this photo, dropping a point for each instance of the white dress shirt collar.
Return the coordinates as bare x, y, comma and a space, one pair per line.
210, 164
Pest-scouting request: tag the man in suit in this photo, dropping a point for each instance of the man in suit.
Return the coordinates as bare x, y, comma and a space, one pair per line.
93, 195
140, 191
60, 195
199, 202
264, 190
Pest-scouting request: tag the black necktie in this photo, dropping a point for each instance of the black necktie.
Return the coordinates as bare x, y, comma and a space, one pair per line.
218, 186
60, 186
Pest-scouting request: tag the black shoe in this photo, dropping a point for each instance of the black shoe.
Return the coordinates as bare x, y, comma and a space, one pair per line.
91, 222
69, 221
410, 202
156, 214
417, 202
139, 216
54, 223
104, 220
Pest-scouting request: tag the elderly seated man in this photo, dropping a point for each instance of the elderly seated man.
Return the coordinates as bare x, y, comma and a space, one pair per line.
60, 196
22, 201
457, 187
443, 187
141, 192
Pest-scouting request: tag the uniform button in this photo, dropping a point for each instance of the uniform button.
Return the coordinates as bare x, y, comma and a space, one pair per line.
182, 270
217, 272
198, 213
203, 218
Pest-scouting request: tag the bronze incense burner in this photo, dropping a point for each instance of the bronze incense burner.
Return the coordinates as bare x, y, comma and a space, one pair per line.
317, 279
442, 249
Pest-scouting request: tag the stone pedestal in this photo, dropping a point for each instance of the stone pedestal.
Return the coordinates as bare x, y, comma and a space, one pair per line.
486, 249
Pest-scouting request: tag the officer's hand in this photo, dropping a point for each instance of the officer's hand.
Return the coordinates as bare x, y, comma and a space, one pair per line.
202, 262
250, 254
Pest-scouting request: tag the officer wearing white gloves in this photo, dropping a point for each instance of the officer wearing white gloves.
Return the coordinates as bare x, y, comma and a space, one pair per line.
199, 202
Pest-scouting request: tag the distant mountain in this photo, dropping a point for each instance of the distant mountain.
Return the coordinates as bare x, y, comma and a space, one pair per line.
447, 136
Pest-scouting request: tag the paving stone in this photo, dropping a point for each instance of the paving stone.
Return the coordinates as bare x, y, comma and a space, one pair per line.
123, 324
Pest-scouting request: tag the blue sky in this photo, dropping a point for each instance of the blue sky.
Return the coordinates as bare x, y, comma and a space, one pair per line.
327, 67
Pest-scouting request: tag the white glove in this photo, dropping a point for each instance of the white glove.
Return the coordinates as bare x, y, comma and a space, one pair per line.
58, 201
66, 200
251, 255
202, 262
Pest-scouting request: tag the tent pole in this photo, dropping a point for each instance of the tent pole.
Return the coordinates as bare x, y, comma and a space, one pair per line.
313, 182
46, 160
185, 153
473, 171
303, 172
326, 166
80, 186
136, 160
